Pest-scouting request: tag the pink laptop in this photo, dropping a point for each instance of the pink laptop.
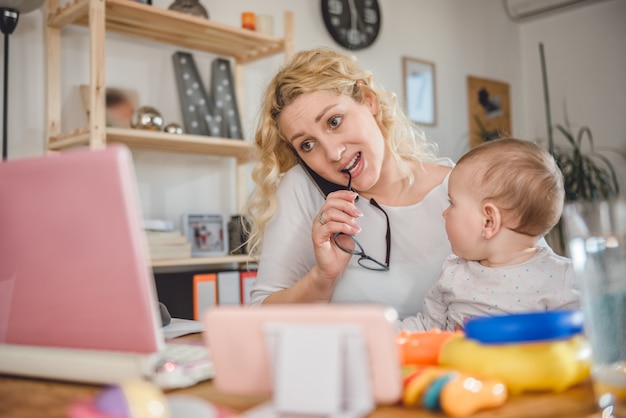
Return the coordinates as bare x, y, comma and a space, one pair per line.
77, 295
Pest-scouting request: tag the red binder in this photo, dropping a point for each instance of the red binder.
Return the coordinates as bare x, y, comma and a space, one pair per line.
204, 293
247, 282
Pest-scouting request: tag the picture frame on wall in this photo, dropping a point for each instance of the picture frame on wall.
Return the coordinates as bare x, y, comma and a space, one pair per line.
207, 232
418, 77
489, 109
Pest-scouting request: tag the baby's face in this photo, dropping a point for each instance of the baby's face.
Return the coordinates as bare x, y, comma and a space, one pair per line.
464, 217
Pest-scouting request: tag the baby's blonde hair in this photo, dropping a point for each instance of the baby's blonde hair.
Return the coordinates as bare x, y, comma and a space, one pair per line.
522, 179
320, 69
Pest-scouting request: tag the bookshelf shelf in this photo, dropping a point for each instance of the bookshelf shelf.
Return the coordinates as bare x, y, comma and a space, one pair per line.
161, 25
161, 141
203, 261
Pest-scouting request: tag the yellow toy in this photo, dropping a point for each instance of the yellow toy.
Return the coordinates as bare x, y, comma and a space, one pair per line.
541, 351
544, 366
495, 356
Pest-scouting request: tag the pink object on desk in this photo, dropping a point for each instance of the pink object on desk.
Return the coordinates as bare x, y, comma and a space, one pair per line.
70, 244
86, 409
77, 295
241, 339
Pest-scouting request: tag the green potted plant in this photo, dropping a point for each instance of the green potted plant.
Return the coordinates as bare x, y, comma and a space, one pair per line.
587, 175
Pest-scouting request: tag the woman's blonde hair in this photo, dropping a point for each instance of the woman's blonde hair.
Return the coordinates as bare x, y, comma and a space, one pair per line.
320, 69
522, 179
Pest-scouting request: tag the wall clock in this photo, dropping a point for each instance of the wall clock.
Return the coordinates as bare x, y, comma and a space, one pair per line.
353, 24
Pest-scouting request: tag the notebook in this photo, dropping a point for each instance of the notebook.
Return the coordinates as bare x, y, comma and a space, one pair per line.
77, 295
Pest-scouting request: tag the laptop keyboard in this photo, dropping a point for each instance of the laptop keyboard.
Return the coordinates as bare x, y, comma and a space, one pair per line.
183, 365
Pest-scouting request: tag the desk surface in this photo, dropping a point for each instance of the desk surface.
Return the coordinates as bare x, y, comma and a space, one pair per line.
27, 398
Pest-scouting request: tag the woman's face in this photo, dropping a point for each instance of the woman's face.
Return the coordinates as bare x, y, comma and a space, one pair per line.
333, 133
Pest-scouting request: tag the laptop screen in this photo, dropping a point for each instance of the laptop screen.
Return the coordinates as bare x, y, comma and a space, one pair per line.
74, 268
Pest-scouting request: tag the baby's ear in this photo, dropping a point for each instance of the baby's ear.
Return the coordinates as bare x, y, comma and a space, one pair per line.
492, 220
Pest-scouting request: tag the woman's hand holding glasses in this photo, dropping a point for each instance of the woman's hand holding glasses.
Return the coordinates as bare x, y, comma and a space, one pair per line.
333, 235
346, 242
337, 215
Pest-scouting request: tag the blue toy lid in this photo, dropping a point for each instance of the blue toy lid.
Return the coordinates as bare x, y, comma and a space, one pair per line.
525, 327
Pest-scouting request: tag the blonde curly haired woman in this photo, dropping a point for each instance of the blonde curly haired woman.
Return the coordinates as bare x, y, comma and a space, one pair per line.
379, 237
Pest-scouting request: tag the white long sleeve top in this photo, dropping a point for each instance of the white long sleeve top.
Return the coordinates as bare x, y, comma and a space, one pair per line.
466, 289
419, 246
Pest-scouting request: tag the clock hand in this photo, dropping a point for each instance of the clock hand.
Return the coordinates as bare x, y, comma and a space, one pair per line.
356, 20
354, 15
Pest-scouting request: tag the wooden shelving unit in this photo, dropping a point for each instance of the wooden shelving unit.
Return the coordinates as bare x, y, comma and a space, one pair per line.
143, 21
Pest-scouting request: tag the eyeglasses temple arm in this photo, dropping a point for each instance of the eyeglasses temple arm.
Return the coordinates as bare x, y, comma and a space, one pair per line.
388, 234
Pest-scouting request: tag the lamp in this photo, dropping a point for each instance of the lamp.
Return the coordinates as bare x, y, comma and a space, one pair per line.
9, 14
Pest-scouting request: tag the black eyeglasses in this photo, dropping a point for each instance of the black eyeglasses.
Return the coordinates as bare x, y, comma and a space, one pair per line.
365, 260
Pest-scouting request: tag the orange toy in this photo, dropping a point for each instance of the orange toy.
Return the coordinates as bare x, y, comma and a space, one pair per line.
455, 393
464, 395
422, 347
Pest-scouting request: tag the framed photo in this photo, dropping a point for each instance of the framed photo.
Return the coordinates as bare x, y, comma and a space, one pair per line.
419, 90
207, 232
489, 109
120, 105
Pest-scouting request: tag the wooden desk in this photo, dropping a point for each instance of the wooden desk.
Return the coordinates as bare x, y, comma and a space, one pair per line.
30, 398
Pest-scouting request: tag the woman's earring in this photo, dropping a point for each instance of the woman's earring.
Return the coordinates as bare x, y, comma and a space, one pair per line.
483, 234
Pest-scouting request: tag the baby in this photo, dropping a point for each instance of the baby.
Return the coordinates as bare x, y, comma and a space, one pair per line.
505, 195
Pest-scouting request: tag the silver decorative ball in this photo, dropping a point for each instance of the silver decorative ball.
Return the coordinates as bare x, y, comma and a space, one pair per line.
173, 128
147, 117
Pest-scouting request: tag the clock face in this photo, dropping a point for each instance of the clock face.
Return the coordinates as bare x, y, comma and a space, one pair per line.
353, 24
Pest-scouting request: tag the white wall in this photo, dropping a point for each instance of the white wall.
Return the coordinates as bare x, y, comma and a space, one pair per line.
586, 60
586, 67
